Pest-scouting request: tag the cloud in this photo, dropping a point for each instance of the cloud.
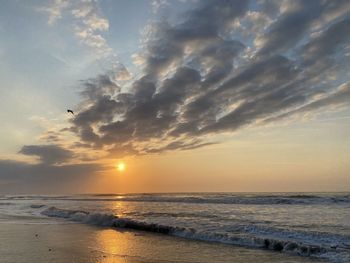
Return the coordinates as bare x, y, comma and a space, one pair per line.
290, 27
338, 99
48, 154
50, 136
121, 73
168, 46
157, 5
24, 177
86, 20
57, 169
201, 79
179, 145
55, 10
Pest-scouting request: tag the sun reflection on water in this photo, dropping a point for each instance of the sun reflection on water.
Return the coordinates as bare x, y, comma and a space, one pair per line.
114, 247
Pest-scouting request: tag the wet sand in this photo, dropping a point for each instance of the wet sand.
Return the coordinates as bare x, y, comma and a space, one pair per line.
37, 242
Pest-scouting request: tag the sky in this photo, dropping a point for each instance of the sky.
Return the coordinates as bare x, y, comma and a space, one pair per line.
191, 96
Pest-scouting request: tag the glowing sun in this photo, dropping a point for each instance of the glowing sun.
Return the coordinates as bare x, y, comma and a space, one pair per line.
121, 167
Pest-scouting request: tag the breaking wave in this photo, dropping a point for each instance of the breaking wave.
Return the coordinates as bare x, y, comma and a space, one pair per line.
249, 235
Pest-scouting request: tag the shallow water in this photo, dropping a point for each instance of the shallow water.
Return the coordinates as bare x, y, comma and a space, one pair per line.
81, 243
313, 225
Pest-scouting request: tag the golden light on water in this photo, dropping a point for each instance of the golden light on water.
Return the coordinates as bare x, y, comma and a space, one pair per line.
121, 167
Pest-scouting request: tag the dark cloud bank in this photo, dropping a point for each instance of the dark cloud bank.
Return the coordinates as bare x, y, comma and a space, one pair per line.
50, 173
213, 71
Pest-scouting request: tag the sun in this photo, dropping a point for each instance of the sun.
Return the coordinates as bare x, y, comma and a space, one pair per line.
121, 167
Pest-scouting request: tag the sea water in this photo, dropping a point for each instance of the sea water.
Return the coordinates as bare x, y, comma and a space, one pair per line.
315, 225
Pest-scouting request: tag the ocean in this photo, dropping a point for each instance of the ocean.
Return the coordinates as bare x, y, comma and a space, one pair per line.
307, 225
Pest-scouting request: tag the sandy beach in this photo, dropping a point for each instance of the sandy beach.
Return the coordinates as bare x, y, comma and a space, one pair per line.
70, 242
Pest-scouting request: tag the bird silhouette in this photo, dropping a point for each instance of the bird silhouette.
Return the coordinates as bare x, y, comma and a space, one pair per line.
70, 111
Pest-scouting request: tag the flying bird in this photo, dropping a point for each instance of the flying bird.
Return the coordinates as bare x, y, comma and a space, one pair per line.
70, 111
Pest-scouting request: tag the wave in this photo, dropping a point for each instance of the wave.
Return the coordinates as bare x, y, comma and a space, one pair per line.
36, 206
250, 199
5, 204
255, 238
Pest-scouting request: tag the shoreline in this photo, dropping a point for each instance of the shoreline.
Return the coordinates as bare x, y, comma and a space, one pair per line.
73, 242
